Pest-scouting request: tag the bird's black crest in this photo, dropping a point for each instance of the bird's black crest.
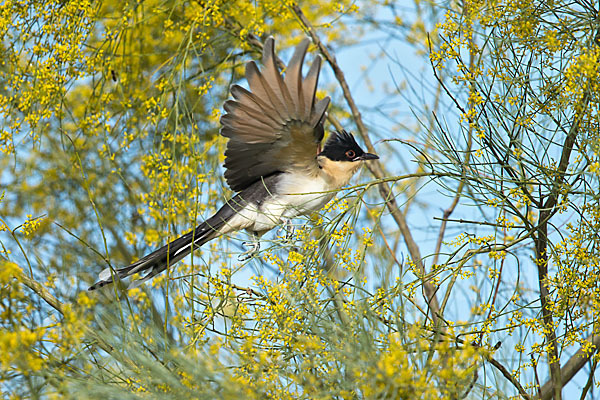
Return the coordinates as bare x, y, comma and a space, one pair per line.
341, 146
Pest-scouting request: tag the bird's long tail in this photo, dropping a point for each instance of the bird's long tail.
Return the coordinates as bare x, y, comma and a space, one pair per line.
159, 260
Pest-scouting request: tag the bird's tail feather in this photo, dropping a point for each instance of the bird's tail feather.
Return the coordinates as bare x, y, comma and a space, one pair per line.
159, 260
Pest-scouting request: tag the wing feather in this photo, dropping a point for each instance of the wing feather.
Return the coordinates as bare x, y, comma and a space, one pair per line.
248, 112
293, 79
251, 131
251, 101
273, 77
318, 112
309, 86
263, 90
276, 125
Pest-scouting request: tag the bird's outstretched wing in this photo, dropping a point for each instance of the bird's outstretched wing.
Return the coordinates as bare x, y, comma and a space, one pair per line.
277, 125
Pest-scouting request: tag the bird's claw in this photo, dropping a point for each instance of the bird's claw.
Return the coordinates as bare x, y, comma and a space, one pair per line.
288, 228
253, 248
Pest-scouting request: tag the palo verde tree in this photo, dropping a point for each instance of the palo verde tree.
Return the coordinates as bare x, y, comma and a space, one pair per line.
110, 147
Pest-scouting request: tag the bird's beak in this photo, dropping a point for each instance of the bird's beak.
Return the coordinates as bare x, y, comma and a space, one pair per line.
368, 156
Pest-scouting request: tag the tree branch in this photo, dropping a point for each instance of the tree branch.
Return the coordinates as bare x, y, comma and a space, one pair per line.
541, 248
575, 363
375, 167
42, 292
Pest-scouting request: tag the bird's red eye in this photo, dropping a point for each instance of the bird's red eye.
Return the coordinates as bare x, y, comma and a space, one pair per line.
350, 154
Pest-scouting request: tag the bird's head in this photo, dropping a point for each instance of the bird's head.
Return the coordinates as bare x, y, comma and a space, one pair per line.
341, 157
342, 147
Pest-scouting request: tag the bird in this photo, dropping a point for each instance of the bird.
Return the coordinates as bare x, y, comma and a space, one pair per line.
274, 161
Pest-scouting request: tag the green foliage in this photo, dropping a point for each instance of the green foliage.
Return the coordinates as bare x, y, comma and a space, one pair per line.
109, 133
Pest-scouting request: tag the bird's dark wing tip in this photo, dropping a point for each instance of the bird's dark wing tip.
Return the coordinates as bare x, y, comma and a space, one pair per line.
97, 285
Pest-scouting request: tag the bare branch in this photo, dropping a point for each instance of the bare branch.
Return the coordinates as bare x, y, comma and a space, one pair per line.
575, 363
375, 167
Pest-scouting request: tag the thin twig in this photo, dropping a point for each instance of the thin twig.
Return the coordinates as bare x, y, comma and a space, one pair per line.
375, 167
510, 377
43, 293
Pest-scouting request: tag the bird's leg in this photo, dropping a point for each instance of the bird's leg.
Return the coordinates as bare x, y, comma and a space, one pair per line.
253, 247
288, 227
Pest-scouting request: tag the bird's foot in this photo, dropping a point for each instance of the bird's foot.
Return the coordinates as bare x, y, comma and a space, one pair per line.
253, 248
288, 228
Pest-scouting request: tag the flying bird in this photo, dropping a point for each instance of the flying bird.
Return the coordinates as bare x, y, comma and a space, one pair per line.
274, 161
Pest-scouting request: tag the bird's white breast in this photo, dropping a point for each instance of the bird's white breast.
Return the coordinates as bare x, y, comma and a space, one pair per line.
296, 194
